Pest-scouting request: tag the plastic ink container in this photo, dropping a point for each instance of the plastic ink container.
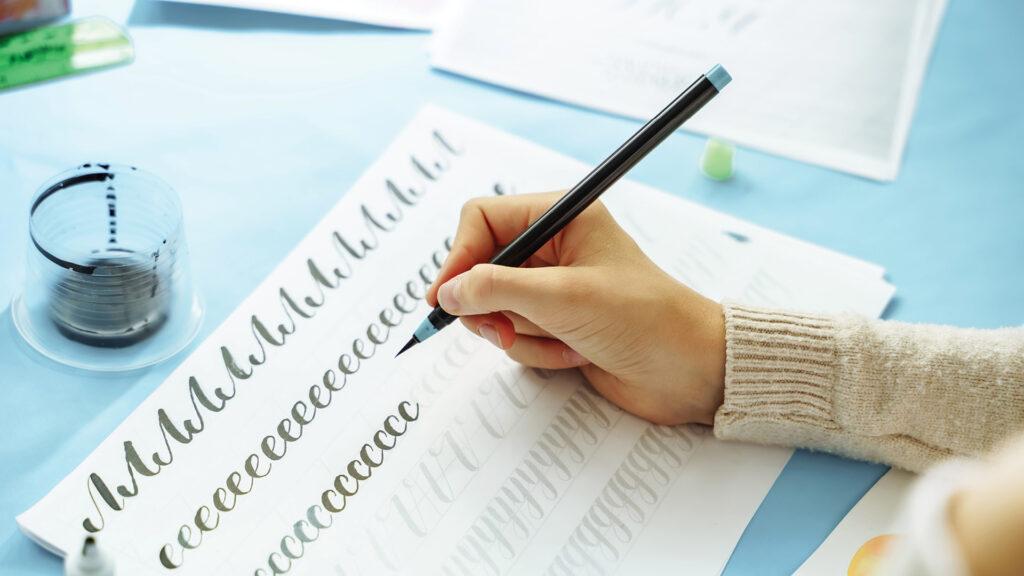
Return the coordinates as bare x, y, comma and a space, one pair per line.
107, 283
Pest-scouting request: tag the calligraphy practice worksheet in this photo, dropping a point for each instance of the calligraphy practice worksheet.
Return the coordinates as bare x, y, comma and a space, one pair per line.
292, 441
831, 83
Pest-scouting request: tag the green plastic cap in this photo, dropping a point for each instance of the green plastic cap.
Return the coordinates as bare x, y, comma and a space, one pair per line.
716, 162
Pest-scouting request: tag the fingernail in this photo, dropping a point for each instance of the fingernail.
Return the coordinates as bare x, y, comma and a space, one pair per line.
448, 295
490, 334
573, 358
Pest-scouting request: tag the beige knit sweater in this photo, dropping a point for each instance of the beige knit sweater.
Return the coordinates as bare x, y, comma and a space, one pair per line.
903, 394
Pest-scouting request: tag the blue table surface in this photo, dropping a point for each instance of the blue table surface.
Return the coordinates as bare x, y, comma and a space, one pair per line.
950, 232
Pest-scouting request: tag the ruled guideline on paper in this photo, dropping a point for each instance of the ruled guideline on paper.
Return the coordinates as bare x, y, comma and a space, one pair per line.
292, 442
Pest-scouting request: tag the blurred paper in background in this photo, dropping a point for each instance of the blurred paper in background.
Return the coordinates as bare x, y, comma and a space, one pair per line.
414, 14
830, 83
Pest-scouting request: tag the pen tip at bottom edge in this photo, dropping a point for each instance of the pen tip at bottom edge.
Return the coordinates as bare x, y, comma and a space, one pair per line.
412, 342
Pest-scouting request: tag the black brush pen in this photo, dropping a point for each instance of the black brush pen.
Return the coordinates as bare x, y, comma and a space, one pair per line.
593, 185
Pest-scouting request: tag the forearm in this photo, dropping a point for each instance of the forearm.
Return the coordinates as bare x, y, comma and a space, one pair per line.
902, 394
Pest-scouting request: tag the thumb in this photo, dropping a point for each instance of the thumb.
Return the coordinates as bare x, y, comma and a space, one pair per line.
535, 293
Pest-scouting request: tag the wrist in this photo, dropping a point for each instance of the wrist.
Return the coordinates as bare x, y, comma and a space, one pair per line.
700, 329
713, 356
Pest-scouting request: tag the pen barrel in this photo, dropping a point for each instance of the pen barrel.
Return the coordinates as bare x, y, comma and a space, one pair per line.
607, 173
688, 103
438, 318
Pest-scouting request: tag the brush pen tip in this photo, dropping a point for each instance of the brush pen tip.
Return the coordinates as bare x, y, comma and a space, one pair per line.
412, 342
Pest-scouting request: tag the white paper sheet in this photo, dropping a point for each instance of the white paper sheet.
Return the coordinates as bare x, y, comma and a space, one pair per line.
853, 541
413, 14
726, 258
506, 470
830, 83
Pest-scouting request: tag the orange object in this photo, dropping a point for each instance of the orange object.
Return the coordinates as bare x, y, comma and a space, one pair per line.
12, 9
868, 558
20, 14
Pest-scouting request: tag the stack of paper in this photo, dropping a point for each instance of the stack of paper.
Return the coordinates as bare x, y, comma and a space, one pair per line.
831, 83
292, 441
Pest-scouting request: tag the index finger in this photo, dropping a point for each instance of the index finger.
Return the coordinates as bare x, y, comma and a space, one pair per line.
486, 224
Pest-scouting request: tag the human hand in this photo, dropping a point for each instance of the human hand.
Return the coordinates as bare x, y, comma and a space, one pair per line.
588, 298
988, 514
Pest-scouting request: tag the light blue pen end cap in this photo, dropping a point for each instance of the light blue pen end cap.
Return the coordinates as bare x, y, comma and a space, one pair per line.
719, 77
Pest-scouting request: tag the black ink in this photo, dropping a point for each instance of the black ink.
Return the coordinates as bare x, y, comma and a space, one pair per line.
741, 238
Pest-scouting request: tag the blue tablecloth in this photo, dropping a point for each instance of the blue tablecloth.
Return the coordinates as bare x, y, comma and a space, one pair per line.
950, 231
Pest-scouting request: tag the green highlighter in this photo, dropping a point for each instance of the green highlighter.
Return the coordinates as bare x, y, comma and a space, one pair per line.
54, 51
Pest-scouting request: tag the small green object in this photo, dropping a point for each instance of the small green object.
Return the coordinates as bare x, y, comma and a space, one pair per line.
716, 163
53, 51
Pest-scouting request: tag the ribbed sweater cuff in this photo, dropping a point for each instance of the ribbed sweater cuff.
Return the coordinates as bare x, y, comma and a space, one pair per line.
780, 372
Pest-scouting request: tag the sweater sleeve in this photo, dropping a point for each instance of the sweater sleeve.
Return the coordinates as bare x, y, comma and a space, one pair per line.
903, 394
